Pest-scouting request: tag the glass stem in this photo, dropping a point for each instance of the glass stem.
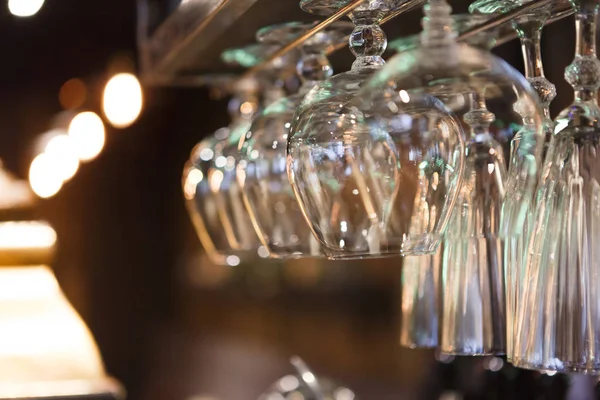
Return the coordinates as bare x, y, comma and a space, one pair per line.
532, 54
530, 34
368, 41
312, 68
438, 26
585, 26
584, 73
479, 118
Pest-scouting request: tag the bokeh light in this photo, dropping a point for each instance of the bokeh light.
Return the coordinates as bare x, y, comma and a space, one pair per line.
73, 94
24, 8
87, 133
44, 177
123, 100
63, 154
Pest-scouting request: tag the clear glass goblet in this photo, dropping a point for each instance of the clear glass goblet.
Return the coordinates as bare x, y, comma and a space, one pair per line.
558, 317
261, 174
481, 90
218, 216
516, 207
345, 173
421, 275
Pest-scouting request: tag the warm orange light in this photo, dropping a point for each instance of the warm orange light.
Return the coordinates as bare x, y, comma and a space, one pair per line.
123, 100
24, 8
87, 133
193, 178
73, 94
63, 153
44, 177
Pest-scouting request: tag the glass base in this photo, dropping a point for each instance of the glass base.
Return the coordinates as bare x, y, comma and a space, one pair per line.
428, 343
558, 368
472, 352
278, 253
416, 247
359, 256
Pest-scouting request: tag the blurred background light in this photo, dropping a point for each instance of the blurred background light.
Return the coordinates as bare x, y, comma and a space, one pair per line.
24, 8
123, 100
44, 176
63, 153
87, 133
26, 234
73, 94
43, 339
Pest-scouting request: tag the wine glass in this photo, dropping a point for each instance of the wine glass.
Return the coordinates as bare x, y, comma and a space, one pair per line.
421, 275
261, 174
558, 325
218, 216
345, 173
324, 107
529, 29
481, 90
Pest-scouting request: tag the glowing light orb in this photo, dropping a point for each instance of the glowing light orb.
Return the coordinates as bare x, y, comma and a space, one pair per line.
87, 133
63, 153
123, 100
24, 8
44, 176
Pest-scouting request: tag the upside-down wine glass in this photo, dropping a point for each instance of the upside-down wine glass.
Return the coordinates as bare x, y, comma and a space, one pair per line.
481, 90
225, 233
421, 305
218, 228
347, 175
261, 174
558, 325
529, 30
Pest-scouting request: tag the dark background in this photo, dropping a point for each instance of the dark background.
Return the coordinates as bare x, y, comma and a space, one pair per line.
169, 324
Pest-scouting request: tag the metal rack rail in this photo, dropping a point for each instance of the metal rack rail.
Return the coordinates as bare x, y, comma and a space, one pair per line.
185, 45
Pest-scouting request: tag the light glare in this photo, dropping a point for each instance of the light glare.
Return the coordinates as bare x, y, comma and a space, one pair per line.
123, 100
44, 177
42, 339
24, 8
87, 133
63, 153
192, 180
26, 235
